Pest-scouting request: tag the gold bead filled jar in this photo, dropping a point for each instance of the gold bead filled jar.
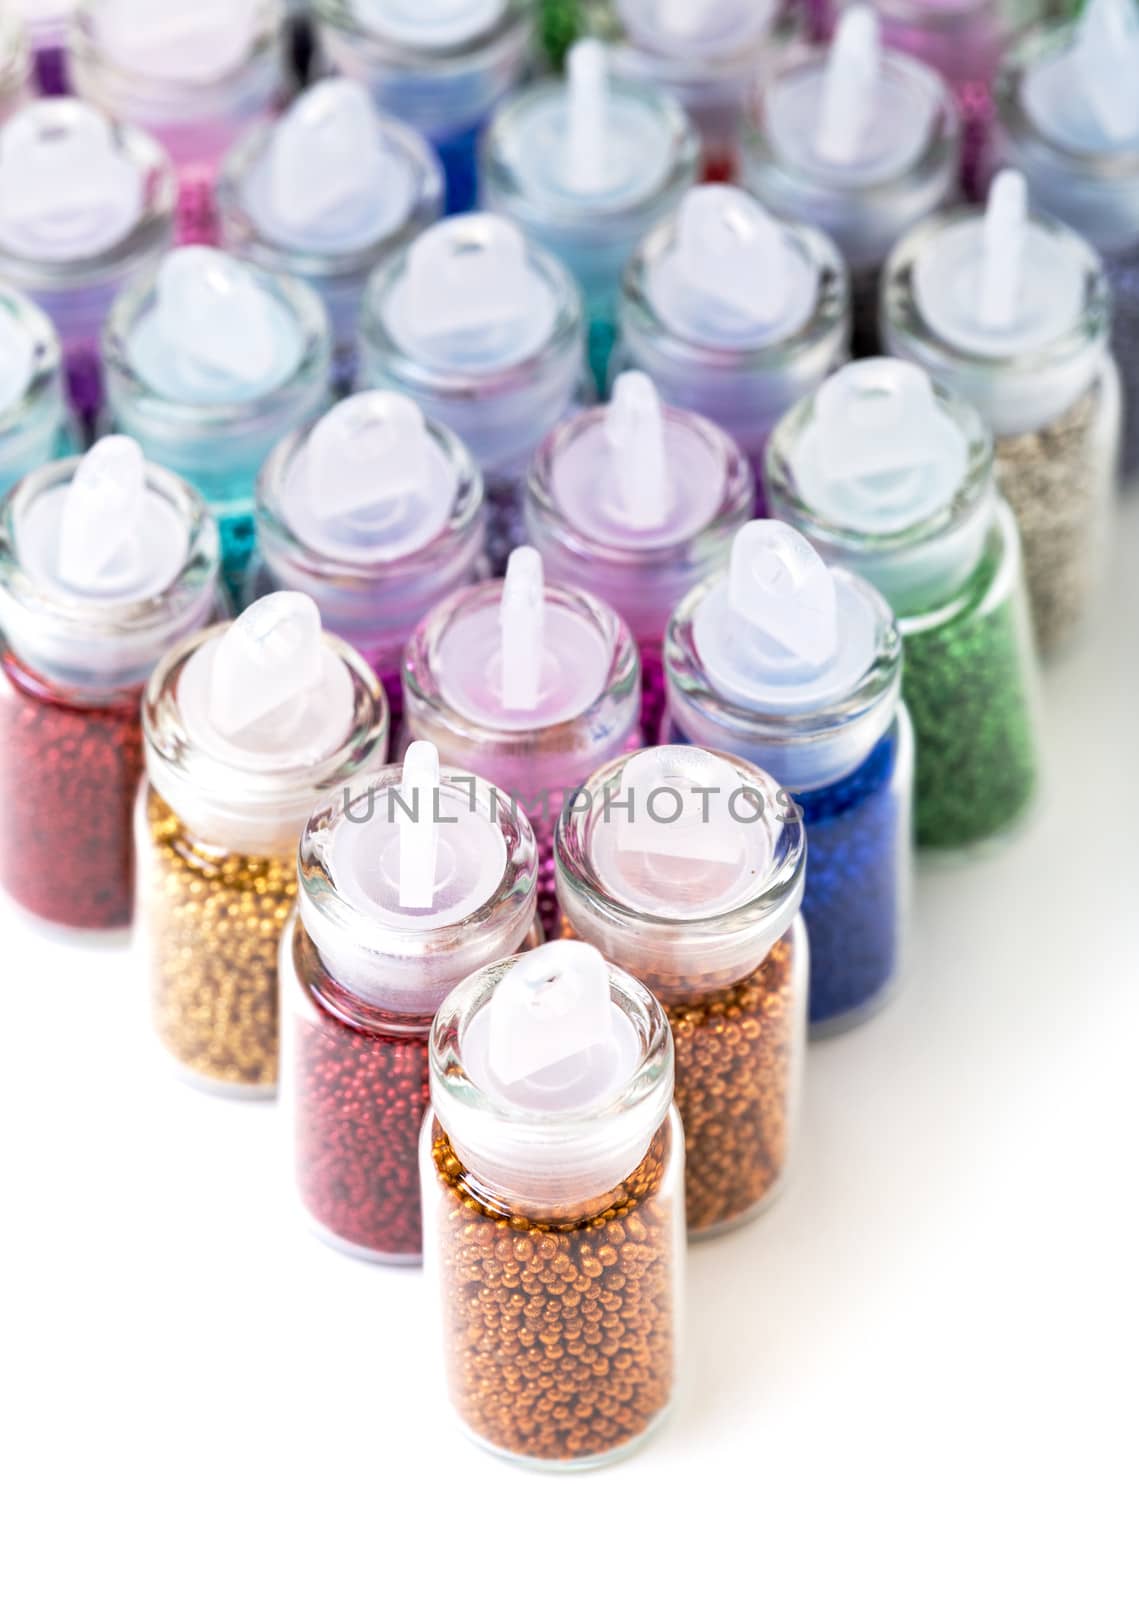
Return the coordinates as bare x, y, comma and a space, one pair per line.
687, 869
246, 727
552, 1164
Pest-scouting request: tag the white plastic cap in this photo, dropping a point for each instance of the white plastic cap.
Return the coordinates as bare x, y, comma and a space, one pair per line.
699, 27
214, 318
779, 633
189, 41
523, 624
733, 276
268, 692
104, 537
635, 433
586, 166
473, 298
17, 359
552, 1030
849, 86
66, 188
432, 24
418, 829
327, 164
1085, 96
998, 284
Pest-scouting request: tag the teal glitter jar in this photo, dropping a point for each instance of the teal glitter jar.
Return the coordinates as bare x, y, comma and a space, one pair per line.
209, 364
893, 479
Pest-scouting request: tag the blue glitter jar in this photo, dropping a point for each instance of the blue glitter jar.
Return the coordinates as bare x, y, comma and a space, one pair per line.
442, 69
797, 667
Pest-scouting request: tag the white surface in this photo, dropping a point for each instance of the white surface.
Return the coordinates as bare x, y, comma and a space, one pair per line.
916, 1376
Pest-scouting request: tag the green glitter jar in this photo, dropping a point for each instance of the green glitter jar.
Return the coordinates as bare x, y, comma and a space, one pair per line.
561, 23
895, 480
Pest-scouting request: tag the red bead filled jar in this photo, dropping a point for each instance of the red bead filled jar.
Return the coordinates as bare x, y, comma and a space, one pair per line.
409, 882
105, 563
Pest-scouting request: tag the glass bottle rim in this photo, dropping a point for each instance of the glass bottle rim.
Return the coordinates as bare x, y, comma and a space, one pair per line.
510, 32
123, 81
1032, 48
47, 359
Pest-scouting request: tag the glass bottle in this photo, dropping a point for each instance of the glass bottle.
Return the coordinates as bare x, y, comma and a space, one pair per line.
105, 564
444, 69
86, 208
687, 869
196, 74
961, 40
733, 315
209, 363
797, 667
378, 515
34, 423
15, 65
482, 329
860, 142
246, 728
552, 1167
639, 502
1014, 312
586, 167
1068, 119
532, 686
894, 479
325, 194
408, 883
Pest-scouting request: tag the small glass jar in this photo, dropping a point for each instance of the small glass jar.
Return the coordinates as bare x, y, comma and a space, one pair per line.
34, 422
326, 194
894, 480
640, 501
86, 208
587, 167
732, 315
687, 869
821, 711
1037, 366
1082, 166
246, 728
443, 74
463, 679
484, 331
209, 363
962, 40
861, 154
363, 973
553, 1209
15, 66
196, 74
82, 627
374, 564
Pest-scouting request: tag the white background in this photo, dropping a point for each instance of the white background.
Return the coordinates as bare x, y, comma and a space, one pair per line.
916, 1376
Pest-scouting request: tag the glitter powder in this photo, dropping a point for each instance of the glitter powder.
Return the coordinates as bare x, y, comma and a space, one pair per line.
968, 685
69, 774
1058, 481
558, 1326
214, 922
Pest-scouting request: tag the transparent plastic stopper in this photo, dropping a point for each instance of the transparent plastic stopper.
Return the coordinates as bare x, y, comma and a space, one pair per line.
588, 117
60, 165
214, 312
523, 629
326, 152
469, 272
418, 828
672, 814
780, 585
732, 251
849, 84
635, 433
195, 40
369, 450
271, 656
553, 1008
1005, 227
1106, 63
101, 525
878, 417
